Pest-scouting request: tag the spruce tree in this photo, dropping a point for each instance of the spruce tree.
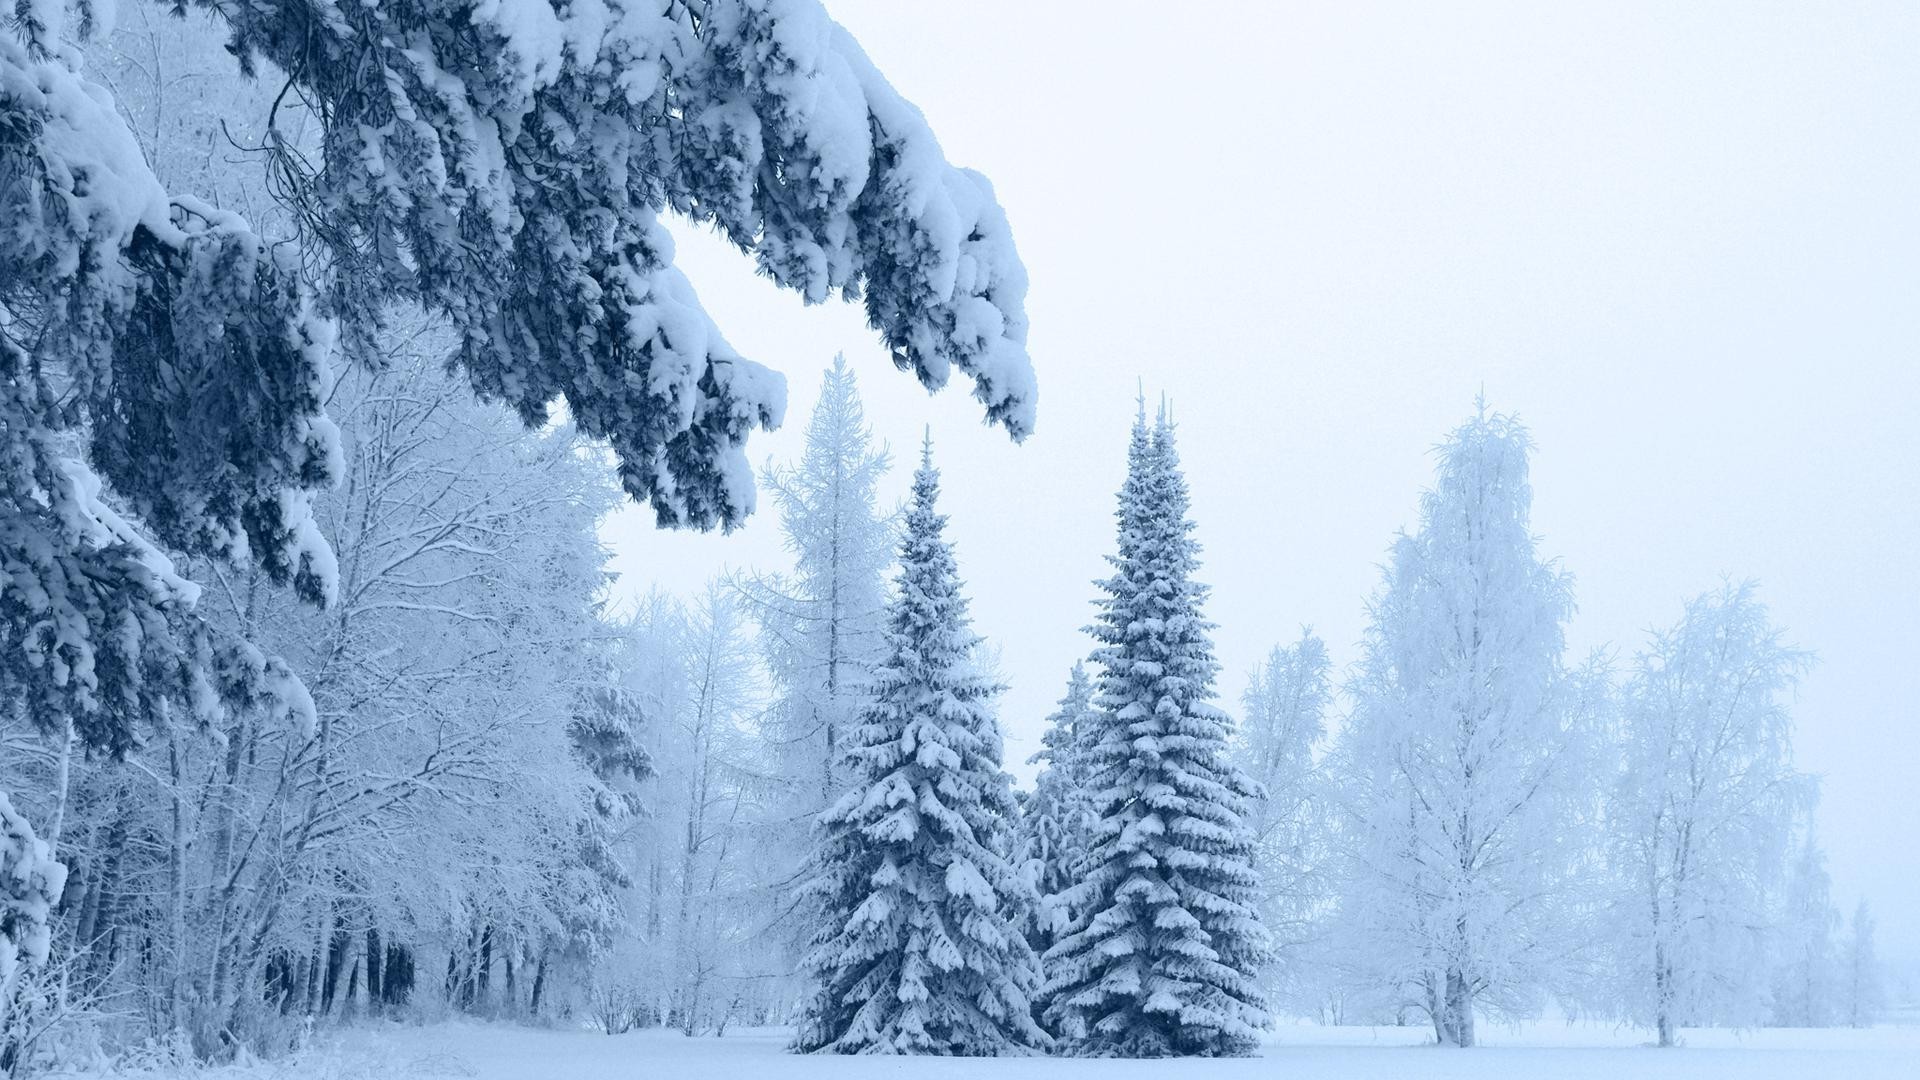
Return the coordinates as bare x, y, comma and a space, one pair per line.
920, 949
1056, 820
1161, 954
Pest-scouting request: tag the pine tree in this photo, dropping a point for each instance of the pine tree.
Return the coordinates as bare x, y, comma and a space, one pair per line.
1461, 758
1164, 944
1056, 820
920, 950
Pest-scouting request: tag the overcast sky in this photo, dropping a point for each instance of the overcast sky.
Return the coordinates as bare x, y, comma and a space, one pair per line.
1681, 241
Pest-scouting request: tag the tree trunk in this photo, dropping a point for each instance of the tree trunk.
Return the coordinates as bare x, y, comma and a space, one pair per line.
1459, 1009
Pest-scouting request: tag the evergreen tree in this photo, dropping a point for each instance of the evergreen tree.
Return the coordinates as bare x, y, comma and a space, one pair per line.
1161, 952
1056, 820
920, 949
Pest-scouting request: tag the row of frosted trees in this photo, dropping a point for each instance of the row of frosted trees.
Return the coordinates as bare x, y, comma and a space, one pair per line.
1493, 830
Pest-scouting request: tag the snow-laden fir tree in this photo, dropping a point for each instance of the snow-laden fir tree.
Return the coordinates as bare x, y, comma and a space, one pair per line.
1162, 953
507, 165
1286, 702
1462, 764
920, 949
1056, 820
1701, 815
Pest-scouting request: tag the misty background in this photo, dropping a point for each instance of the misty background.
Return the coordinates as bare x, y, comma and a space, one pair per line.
1681, 243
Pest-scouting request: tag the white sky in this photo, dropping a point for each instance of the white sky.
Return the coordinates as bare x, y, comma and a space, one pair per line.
1682, 242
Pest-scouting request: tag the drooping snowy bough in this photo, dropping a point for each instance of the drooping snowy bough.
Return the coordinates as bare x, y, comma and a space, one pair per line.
506, 163
503, 164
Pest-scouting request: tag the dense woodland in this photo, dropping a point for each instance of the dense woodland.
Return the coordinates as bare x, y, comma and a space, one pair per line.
321, 369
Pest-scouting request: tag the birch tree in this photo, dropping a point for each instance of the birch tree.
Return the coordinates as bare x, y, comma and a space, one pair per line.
1701, 812
1462, 757
1286, 703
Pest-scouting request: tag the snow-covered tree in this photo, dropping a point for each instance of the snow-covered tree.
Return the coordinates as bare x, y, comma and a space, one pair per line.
1286, 702
500, 166
706, 801
1862, 989
31, 882
822, 629
824, 624
1056, 820
1701, 814
507, 168
1461, 758
160, 348
920, 950
1162, 953
1805, 969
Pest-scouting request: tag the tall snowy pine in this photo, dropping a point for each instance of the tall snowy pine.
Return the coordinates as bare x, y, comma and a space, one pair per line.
1162, 952
1056, 821
920, 951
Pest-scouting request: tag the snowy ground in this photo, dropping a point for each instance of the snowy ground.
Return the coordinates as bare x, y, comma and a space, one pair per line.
1539, 1052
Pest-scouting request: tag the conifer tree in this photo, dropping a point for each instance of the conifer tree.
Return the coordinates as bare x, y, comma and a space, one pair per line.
1056, 820
822, 630
920, 949
1160, 956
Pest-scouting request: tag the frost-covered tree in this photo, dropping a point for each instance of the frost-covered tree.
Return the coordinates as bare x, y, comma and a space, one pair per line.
920, 949
501, 166
1056, 820
1286, 702
1805, 968
824, 624
1862, 989
1701, 814
822, 630
1461, 758
1162, 953
706, 801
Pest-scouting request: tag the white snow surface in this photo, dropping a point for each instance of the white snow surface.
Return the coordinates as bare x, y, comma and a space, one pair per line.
1296, 1051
